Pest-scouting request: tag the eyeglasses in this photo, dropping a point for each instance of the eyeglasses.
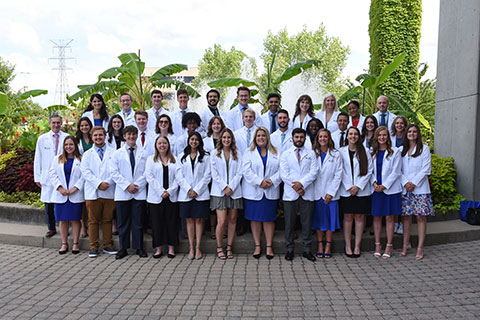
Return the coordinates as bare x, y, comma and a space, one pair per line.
164, 122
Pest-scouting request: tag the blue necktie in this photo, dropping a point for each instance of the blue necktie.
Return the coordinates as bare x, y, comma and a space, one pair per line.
273, 125
132, 158
100, 153
283, 136
382, 120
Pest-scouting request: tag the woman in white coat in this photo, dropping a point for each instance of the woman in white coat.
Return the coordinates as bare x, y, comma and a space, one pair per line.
65, 176
261, 189
160, 172
355, 190
326, 217
416, 199
114, 137
387, 195
398, 131
226, 194
356, 119
164, 127
329, 112
97, 111
303, 112
193, 174
215, 126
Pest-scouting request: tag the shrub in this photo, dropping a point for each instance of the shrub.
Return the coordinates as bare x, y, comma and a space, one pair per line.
30, 198
442, 181
17, 174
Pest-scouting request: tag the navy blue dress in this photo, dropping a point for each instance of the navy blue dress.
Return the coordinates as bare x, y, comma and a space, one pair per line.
68, 211
384, 204
264, 210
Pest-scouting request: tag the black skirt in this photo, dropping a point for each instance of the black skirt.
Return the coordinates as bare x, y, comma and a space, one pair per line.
355, 204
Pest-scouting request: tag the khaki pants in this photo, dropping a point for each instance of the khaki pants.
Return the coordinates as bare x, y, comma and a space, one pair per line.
100, 211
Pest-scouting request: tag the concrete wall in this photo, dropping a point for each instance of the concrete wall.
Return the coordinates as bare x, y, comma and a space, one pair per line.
457, 116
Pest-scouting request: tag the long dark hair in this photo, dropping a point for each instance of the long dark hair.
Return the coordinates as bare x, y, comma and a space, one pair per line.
418, 142
233, 146
103, 110
316, 144
79, 134
188, 149
394, 130
157, 128
297, 106
376, 145
364, 127
361, 153
111, 132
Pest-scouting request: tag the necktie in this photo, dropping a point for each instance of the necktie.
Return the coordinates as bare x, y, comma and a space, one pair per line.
249, 136
56, 143
132, 158
298, 155
157, 114
283, 136
273, 125
243, 109
342, 139
183, 113
100, 153
143, 139
382, 120
125, 115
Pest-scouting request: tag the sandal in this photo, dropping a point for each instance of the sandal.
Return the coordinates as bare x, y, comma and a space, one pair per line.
75, 251
377, 254
320, 254
386, 255
269, 256
328, 255
63, 251
419, 255
257, 256
221, 254
229, 251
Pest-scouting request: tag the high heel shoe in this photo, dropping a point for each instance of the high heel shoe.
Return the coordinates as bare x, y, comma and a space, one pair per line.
320, 254
221, 254
75, 251
419, 255
63, 251
258, 255
349, 255
377, 254
328, 255
269, 256
229, 251
386, 255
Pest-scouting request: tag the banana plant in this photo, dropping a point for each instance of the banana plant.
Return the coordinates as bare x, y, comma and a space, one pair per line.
128, 77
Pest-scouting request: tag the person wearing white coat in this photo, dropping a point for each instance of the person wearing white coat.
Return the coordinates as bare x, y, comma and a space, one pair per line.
160, 172
156, 110
215, 126
384, 117
387, 188
114, 137
226, 193
282, 138
146, 137
234, 117
303, 112
193, 174
212, 110
328, 114
48, 146
99, 191
339, 136
269, 118
96, 111
66, 178
84, 126
356, 119
298, 170
127, 167
355, 190
244, 135
127, 113
261, 189
327, 184
416, 199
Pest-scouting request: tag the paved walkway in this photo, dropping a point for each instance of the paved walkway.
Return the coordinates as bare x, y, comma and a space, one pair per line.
38, 283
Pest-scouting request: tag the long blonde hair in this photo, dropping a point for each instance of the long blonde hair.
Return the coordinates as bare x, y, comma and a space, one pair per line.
325, 98
376, 145
270, 147
76, 153
170, 156
233, 146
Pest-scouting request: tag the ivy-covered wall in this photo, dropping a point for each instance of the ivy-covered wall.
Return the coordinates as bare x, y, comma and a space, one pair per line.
394, 28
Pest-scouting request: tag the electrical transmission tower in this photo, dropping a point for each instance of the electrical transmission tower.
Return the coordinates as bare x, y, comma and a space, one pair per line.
62, 81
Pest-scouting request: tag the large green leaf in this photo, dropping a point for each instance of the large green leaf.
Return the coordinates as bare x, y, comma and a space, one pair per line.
389, 68
31, 93
103, 86
168, 71
3, 102
132, 62
296, 69
126, 58
58, 107
110, 73
351, 93
423, 121
177, 84
231, 82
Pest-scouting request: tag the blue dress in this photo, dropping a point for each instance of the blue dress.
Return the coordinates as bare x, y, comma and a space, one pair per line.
264, 210
97, 122
68, 211
384, 204
325, 216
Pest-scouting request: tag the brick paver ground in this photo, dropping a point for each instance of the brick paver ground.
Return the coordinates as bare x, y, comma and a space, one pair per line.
38, 283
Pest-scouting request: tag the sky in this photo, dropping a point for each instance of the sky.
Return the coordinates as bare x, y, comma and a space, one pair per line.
175, 32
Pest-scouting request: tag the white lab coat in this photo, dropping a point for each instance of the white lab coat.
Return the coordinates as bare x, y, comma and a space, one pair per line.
332, 124
57, 178
362, 182
121, 171
219, 175
96, 171
197, 180
305, 173
149, 145
267, 121
391, 172
329, 177
176, 117
89, 115
276, 140
241, 138
235, 120
336, 136
44, 154
416, 170
130, 120
360, 122
113, 144
152, 118
390, 118
206, 115
154, 176
254, 174
208, 145
296, 122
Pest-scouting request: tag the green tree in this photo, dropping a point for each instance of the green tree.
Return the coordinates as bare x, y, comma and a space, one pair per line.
6, 75
307, 45
395, 27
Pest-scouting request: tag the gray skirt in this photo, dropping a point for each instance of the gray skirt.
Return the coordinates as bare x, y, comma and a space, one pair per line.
225, 202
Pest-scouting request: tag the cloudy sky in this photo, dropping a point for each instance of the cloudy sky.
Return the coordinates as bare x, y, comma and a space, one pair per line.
174, 32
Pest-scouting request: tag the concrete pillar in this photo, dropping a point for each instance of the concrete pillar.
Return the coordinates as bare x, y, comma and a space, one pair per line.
457, 113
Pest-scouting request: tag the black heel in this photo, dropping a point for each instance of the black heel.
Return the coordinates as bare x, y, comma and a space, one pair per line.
269, 256
63, 251
75, 251
258, 255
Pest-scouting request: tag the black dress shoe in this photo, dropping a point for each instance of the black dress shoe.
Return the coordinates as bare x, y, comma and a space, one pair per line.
354, 255
157, 256
141, 253
122, 253
170, 256
349, 255
115, 233
289, 256
309, 256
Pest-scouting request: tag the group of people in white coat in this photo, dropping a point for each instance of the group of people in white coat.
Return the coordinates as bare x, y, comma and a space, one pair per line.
323, 166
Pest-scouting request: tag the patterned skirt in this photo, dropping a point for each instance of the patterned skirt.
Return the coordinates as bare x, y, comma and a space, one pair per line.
417, 205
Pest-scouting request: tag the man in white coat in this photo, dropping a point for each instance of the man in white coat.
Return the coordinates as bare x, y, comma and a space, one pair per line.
156, 110
269, 118
48, 146
384, 117
298, 169
177, 116
282, 138
339, 136
127, 168
99, 190
127, 112
244, 135
235, 120
213, 97
146, 137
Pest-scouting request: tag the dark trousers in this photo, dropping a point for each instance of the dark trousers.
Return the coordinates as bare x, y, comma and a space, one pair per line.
164, 221
305, 208
129, 217
50, 216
